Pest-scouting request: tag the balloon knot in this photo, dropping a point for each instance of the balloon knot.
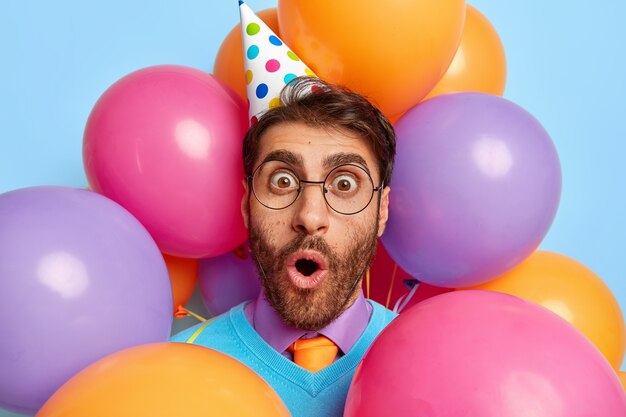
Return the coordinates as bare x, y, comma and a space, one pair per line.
409, 283
241, 252
180, 312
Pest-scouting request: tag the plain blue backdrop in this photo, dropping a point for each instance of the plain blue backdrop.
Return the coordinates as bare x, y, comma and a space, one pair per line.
565, 60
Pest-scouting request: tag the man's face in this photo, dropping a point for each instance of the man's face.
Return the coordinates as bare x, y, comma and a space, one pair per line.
310, 257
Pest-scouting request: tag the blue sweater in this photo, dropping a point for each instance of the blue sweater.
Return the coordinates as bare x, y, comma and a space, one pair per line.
306, 394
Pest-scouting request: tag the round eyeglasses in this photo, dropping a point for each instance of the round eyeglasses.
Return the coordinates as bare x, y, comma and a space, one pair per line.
347, 189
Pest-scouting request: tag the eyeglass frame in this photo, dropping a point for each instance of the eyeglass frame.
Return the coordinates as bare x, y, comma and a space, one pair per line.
324, 189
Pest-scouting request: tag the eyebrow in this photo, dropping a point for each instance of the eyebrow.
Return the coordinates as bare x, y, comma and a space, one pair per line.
285, 156
330, 161
342, 158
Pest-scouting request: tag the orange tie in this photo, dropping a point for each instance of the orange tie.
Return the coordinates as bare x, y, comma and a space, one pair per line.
314, 354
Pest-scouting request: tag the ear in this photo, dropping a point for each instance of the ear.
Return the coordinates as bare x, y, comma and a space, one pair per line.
245, 204
383, 214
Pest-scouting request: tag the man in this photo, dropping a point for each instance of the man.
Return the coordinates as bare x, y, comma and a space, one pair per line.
316, 201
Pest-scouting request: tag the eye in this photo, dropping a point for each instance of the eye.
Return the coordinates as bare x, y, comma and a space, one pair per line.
284, 180
344, 183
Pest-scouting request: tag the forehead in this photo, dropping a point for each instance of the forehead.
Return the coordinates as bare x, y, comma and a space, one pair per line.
316, 145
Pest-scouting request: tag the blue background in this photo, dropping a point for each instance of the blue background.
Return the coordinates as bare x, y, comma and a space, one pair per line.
565, 62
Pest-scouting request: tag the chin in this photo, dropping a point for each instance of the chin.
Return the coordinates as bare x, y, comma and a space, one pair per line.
310, 308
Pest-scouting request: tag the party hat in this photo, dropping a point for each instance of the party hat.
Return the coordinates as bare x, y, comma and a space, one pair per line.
268, 62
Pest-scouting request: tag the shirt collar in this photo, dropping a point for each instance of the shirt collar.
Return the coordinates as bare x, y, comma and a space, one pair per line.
344, 331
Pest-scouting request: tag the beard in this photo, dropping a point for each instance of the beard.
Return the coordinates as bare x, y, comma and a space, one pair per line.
312, 309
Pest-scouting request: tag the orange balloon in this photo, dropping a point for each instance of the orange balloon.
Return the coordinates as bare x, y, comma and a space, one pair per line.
622, 377
183, 276
393, 52
479, 63
229, 60
165, 379
394, 119
574, 292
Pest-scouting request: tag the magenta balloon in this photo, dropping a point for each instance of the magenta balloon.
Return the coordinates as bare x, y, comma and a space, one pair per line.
226, 281
80, 278
165, 142
487, 354
476, 186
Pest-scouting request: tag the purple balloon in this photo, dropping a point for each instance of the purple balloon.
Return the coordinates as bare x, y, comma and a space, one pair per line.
80, 279
226, 281
476, 186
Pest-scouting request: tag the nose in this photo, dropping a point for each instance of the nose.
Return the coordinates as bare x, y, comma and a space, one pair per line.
311, 212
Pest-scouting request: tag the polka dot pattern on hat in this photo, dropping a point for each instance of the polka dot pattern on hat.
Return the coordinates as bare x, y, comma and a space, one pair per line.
272, 65
274, 40
253, 52
275, 102
269, 63
253, 28
262, 90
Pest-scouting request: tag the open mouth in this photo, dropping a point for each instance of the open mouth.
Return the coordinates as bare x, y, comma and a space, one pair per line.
306, 269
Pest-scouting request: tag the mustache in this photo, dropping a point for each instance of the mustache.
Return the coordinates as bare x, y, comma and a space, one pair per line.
306, 242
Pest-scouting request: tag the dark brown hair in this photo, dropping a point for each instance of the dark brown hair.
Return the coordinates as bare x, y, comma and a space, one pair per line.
317, 103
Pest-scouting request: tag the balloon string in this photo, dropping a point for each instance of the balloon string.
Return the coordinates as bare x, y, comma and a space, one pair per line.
398, 302
190, 313
367, 283
408, 298
393, 279
195, 334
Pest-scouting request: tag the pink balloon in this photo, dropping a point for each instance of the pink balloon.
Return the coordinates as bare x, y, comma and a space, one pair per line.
165, 143
481, 353
228, 280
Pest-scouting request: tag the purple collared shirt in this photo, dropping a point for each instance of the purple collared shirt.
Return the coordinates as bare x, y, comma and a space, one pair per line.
344, 331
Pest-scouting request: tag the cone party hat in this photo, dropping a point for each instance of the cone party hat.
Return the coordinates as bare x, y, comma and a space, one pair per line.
269, 64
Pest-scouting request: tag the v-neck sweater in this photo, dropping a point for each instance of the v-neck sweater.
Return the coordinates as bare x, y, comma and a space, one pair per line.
306, 394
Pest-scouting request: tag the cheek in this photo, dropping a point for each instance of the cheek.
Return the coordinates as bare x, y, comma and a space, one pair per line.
366, 221
346, 230
274, 227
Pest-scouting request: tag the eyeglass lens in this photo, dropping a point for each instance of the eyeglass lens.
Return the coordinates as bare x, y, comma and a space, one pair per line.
347, 188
